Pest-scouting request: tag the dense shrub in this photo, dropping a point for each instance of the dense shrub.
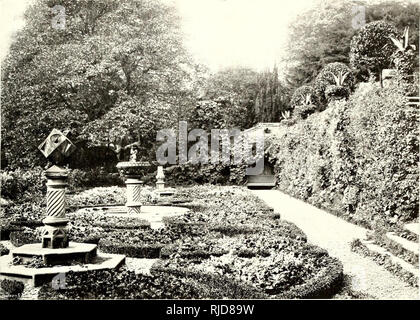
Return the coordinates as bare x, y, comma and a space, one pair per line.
371, 48
334, 80
96, 177
135, 250
121, 284
22, 185
26, 236
98, 196
187, 174
143, 243
303, 95
3, 250
358, 158
12, 287
216, 286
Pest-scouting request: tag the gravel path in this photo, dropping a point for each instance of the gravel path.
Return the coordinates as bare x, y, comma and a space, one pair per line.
335, 235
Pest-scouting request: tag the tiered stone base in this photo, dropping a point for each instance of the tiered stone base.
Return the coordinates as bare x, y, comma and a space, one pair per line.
165, 192
83, 256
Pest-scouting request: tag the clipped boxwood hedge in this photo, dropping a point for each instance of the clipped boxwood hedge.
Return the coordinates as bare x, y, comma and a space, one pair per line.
146, 250
121, 284
324, 285
386, 261
215, 284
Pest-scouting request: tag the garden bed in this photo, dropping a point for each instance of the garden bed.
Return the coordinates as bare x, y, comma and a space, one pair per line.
229, 245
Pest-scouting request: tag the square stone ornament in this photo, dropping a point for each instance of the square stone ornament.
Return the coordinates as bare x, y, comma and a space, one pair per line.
56, 146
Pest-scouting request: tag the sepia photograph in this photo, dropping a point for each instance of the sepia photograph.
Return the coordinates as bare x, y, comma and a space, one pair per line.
209, 156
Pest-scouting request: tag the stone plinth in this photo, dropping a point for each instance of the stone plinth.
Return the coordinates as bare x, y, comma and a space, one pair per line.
54, 233
134, 185
80, 252
165, 192
39, 276
133, 171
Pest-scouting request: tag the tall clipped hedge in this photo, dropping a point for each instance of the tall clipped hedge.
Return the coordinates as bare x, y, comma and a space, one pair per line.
358, 158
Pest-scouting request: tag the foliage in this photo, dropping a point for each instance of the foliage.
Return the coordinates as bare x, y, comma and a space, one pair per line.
334, 74
303, 95
385, 261
112, 75
333, 92
371, 48
322, 34
121, 284
12, 287
187, 174
96, 177
404, 57
98, 196
3, 250
21, 185
254, 96
304, 110
358, 158
255, 249
26, 236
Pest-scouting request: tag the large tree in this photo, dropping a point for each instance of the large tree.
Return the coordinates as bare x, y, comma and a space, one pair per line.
114, 73
322, 34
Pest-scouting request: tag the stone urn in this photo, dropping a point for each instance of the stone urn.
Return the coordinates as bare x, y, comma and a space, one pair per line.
133, 172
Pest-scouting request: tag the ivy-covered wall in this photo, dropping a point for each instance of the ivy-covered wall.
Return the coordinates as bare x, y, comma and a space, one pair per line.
358, 158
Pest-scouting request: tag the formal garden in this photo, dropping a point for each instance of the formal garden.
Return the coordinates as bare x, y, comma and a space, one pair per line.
341, 136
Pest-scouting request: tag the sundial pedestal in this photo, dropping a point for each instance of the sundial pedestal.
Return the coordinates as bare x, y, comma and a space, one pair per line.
133, 171
160, 184
54, 235
134, 185
59, 255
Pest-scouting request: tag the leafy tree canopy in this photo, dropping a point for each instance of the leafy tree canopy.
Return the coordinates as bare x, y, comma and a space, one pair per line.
115, 61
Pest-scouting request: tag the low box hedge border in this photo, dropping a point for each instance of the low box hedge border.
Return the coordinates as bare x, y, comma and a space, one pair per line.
216, 284
168, 250
20, 238
323, 285
384, 260
32, 224
110, 226
143, 250
232, 230
381, 239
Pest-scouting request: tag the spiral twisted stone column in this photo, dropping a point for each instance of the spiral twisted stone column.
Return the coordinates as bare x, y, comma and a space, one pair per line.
54, 234
133, 195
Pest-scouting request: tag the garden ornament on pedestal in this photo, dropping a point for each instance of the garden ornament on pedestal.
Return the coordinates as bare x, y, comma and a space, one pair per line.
160, 184
56, 252
160, 176
133, 171
56, 147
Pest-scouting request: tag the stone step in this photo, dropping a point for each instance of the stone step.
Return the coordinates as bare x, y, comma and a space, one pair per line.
37, 276
406, 244
405, 265
413, 227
